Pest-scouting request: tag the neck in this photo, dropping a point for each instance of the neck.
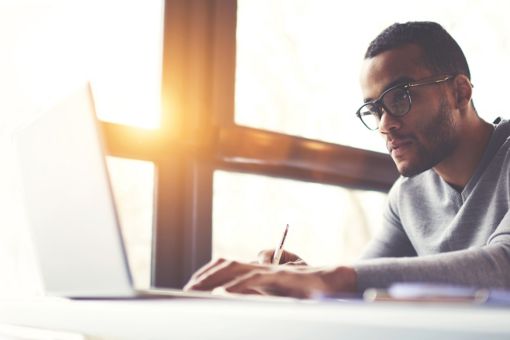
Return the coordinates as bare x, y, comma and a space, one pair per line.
459, 167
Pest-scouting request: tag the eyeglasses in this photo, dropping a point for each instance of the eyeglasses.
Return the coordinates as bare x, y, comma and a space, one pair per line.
395, 101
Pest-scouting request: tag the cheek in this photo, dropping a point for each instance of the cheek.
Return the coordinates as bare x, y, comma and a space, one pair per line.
424, 116
437, 128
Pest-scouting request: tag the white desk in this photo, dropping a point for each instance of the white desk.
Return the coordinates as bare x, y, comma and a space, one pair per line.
215, 319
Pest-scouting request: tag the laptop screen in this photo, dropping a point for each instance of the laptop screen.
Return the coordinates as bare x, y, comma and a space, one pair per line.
69, 204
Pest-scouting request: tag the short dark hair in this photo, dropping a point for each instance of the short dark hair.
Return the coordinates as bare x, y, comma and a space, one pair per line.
441, 52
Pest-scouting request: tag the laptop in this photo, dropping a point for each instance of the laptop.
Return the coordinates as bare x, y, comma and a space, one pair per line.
70, 207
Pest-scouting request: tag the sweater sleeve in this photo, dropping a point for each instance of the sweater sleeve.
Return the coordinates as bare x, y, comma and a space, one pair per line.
486, 267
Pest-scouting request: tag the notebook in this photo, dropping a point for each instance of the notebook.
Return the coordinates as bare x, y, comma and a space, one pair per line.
70, 207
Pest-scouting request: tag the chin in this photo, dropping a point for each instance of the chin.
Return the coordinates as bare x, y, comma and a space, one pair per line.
407, 169
407, 173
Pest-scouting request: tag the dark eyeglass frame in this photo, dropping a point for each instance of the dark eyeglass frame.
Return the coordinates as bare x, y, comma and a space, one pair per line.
378, 104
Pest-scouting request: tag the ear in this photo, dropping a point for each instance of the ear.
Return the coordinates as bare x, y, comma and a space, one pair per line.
463, 91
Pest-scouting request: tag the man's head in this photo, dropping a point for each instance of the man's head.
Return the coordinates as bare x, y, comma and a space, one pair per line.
416, 84
441, 53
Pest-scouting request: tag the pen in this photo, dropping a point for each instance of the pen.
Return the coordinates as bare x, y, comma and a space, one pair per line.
279, 250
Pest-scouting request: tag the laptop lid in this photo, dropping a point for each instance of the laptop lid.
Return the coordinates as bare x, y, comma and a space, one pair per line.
69, 203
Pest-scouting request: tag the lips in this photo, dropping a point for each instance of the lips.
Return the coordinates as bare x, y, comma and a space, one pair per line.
398, 146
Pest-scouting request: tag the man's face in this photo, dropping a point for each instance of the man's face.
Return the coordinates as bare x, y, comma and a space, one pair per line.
426, 135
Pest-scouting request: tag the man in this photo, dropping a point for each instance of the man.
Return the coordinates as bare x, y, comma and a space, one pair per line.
448, 217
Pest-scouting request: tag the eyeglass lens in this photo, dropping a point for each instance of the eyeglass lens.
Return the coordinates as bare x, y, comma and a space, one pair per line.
396, 101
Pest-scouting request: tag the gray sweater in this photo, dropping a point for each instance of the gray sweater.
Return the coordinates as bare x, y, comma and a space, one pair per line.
433, 233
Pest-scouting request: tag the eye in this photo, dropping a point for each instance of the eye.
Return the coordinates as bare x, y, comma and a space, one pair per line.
397, 101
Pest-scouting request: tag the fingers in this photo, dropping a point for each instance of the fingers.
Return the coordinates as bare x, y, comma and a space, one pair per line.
207, 267
205, 277
246, 283
219, 273
291, 258
265, 256
267, 283
296, 263
195, 278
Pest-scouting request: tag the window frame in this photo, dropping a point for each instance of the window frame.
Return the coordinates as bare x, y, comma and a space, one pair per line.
198, 135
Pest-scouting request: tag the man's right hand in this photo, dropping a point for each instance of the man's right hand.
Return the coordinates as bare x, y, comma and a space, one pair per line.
302, 282
288, 258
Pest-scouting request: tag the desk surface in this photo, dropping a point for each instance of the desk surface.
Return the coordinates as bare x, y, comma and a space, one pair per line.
218, 319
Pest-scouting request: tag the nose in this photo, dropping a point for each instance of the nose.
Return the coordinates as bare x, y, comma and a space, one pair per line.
388, 122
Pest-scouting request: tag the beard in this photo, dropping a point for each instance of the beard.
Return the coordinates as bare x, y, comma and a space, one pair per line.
441, 142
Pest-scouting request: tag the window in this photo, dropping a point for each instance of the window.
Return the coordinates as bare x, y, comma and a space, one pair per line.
298, 72
114, 44
203, 155
328, 224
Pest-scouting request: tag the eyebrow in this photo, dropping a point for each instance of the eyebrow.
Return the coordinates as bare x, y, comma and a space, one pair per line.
399, 81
